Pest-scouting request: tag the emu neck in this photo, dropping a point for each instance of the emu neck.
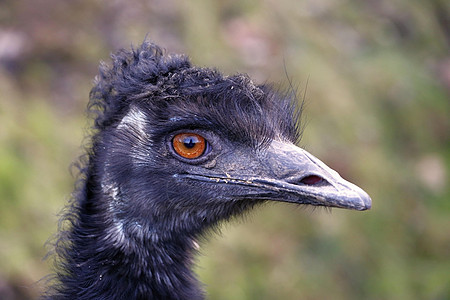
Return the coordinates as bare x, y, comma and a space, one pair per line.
99, 265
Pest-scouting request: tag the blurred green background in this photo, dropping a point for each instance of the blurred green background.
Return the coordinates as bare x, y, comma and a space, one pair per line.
377, 81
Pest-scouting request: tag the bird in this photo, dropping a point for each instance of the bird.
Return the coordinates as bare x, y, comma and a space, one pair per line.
174, 151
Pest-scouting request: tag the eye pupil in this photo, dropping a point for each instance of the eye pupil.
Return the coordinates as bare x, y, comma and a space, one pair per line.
190, 142
189, 145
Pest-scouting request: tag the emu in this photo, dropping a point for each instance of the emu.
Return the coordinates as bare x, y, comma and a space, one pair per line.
175, 150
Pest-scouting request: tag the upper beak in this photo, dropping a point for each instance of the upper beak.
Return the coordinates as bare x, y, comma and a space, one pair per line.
285, 172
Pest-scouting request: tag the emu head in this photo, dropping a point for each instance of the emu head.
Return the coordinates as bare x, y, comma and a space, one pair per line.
179, 148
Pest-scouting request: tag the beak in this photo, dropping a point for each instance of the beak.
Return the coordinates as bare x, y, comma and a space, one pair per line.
284, 172
305, 179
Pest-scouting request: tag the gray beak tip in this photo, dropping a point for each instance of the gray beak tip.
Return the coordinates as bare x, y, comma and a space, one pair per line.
364, 200
367, 202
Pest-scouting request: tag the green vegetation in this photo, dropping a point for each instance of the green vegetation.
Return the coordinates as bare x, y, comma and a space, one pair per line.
376, 79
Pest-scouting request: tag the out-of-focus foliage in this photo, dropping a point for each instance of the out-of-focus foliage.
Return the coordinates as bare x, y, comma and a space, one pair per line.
377, 81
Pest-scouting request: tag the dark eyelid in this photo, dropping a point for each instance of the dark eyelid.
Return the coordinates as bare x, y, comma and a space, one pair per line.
175, 124
190, 121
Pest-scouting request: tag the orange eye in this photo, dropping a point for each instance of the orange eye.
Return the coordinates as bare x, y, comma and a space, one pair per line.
189, 145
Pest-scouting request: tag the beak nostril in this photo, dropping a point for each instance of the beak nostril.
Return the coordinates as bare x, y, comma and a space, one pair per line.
311, 180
